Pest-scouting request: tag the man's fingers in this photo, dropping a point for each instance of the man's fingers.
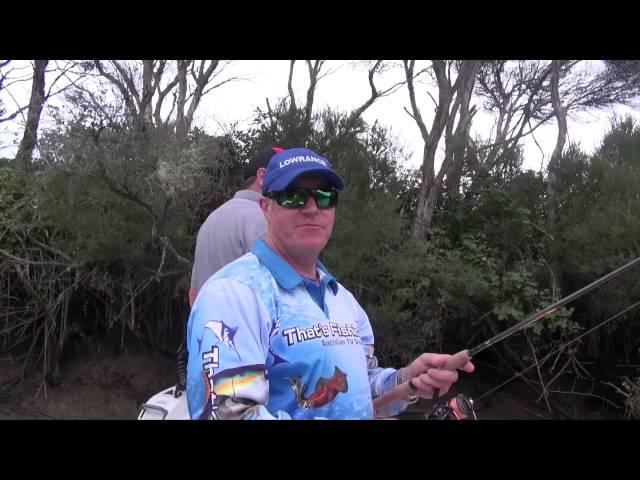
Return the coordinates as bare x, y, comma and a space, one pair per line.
442, 376
428, 361
426, 385
469, 367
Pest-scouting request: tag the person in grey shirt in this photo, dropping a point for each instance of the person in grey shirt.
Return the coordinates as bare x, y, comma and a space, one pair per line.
230, 230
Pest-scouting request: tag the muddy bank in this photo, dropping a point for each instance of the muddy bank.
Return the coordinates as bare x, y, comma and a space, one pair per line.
103, 386
114, 385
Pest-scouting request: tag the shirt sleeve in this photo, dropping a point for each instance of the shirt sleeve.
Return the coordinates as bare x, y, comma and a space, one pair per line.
202, 260
254, 228
228, 344
381, 380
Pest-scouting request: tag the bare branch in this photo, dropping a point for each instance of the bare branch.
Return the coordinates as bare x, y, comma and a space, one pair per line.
374, 93
124, 192
408, 68
25, 79
544, 388
99, 105
24, 261
55, 251
121, 87
63, 73
409, 113
290, 86
217, 85
167, 244
173, 107
314, 71
128, 79
203, 79
435, 103
14, 114
162, 94
599, 397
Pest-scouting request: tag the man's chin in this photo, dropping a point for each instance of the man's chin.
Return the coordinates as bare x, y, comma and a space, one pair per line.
311, 245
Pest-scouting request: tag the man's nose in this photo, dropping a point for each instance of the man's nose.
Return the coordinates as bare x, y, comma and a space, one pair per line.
310, 206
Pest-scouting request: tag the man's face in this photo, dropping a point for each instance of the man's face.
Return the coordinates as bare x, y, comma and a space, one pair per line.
300, 231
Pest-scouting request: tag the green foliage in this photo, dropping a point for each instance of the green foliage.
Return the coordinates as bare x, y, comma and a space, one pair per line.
13, 186
107, 225
600, 229
121, 207
115, 191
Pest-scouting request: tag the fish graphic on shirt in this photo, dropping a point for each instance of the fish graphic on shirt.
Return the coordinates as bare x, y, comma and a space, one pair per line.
326, 390
224, 332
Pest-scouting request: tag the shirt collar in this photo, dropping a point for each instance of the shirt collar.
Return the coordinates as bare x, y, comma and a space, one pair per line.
248, 195
284, 274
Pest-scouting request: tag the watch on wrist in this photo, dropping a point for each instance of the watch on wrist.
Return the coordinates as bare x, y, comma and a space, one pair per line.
413, 397
402, 378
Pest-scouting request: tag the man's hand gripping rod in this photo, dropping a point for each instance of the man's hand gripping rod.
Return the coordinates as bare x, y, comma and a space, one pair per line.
403, 391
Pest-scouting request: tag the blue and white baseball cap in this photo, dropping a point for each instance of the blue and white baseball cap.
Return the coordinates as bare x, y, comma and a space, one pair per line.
286, 166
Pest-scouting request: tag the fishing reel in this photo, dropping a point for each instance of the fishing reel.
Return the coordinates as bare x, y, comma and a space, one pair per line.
459, 407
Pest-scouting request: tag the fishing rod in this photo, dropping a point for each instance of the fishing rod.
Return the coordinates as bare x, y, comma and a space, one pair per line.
457, 361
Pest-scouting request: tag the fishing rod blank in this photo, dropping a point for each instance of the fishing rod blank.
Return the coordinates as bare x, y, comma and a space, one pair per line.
457, 361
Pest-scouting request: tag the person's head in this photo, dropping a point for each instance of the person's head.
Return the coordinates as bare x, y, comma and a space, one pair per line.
254, 170
300, 193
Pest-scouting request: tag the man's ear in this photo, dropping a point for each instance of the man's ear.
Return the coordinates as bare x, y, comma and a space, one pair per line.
260, 176
264, 205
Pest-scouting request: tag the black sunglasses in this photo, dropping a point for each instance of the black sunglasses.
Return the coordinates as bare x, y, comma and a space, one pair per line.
297, 197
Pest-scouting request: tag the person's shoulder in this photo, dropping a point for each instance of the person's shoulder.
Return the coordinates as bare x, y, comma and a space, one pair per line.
245, 269
348, 297
243, 278
228, 212
231, 207
229, 204
342, 290
236, 274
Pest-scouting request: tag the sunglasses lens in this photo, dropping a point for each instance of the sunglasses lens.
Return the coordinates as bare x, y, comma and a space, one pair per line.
298, 198
323, 198
292, 198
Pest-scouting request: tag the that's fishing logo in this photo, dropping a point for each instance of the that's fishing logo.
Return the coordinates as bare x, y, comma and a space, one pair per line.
346, 333
210, 361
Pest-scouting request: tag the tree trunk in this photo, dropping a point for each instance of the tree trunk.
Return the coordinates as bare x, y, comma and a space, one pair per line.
30, 137
431, 186
426, 198
148, 90
554, 165
314, 72
201, 81
457, 142
181, 130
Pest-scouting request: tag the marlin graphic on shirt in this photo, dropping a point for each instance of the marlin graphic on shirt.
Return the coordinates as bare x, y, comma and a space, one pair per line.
224, 332
275, 330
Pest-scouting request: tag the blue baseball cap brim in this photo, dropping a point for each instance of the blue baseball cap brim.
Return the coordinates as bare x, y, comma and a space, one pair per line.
285, 167
285, 181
